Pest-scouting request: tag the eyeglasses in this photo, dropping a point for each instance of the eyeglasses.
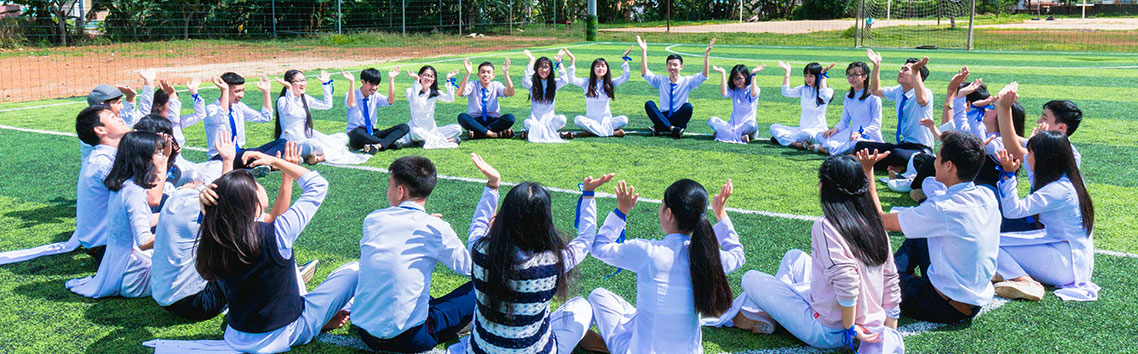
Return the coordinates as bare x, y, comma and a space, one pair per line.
854, 75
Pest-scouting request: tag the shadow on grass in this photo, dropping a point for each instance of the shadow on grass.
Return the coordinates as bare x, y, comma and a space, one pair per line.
71, 264
57, 211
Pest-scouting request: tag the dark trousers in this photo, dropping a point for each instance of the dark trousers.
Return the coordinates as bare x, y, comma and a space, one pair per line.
899, 153
491, 124
447, 315
204, 305
919, 299
386, 138
664, 120
272, 149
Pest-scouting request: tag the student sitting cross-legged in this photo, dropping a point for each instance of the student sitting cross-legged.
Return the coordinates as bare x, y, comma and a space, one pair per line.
600, 89
914, 102
953, 238
814, 96
229, 114
672, 114
401, 245
483, 117
363, 103
522, 263
743, 90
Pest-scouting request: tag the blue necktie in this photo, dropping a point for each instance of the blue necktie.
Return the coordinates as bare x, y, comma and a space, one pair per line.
233, 128
367, 116
484, 92
901, 116
671, 98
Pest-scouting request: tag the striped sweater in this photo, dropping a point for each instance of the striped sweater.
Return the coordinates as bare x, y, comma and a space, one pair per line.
525, 329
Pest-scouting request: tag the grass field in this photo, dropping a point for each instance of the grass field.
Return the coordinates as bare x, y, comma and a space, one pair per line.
38, 169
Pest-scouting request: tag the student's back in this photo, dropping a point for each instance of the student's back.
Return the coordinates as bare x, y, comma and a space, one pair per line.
173, 275
91, 197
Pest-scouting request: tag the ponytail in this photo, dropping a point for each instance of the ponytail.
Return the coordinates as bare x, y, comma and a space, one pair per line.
289, 75
711, 293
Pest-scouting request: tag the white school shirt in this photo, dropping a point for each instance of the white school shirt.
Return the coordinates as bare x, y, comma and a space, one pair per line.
1057, 205
398, 253
665, 320
909, 127
125, 269
291, 113
355, 113
173, 275
539, 110
963, 231
474, 98
287, 228
422, 107
185, 121
597, 108
217, 120
743, 105
91, 197
813, 116
861, 115
677, 96
130, 114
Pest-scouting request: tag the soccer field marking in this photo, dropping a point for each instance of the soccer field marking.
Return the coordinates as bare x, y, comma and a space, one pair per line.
555, 189
673, 51
41, 106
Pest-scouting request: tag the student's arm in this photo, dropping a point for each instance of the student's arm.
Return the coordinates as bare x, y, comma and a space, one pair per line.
223, 102
1008, 95
487, 205
199, 105
824, 83
707, 57
462, 91
786, 78
723, 82
326, 85
284, 195
730, 250
449, 95
839, 269
875, 112
154, 194
577, 81
586, 223
289, 225
633, 254
391, 75
138, 211
868, 159
931, 126
350, 98
644, 72
875, 76
923, 94
891, 297
1046, 198
754, 81
226, 149
951, 95
509, 81
266, 113
624, 70
527, 83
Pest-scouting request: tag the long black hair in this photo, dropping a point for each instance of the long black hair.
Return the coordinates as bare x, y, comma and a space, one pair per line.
847, 205
524, 223
816, 70
739, 69
227, 240
159, 124
1054, 158
688, 202
607, 79
288, 76
434, 89
549, 89
860, 65
161, 98
134, 160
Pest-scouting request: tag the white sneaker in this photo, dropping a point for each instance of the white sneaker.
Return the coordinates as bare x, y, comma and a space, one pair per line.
1025, 290
308, 270
900, 185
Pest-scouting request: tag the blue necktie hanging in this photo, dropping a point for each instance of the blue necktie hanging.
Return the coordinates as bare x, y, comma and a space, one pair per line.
484, 98
671, 98
367, 116
233, 129
901, 117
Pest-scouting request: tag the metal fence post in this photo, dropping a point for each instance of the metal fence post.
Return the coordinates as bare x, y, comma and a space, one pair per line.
274, 6
971, 20
339, 18
404, 17
460, 17
511, 16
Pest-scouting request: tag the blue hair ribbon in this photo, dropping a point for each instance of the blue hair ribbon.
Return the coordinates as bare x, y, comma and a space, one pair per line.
626, 58
453, 81
977, 113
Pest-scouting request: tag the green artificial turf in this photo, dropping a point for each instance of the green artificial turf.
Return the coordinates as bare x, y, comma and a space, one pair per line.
38, 171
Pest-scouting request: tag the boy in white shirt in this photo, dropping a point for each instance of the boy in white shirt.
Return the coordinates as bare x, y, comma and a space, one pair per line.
483, 118
398, 252
954, 238
914, 103
228, 113
673, 117
362, 105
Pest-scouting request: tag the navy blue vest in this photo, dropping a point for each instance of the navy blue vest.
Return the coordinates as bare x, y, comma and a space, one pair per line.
265, 296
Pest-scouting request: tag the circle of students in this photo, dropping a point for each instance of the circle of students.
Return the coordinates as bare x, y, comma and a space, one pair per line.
216, 243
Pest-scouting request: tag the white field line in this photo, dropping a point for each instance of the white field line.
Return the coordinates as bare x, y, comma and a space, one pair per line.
555, 189
670, 50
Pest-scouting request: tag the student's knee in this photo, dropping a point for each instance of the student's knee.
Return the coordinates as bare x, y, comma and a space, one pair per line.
754, 281
508, 118
579, 121
793, 256
600, 296
686, 108
580, 310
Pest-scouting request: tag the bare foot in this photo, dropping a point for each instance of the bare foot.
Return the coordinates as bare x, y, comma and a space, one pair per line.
492, 135
337, 321
585, 133
618, 133
314, 159
746, 139
798, 145
763, 326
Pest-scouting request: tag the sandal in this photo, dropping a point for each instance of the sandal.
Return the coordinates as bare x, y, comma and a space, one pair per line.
566, 135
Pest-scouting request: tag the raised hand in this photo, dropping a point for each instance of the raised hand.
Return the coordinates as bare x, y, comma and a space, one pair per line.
193, 85
506, 65
570, 54
719, 201
759, 68
709, 45
627, 51
972, 87
452, 74
920, 63
560, 53
347, 76
827, 68
148, 76
1009, 162
257, 158
960, 75
719, 69
493, 178
217, 81
208, 197
291, 153
467, 65
265, 85
528, 54
166, 87
393, 73
324, 77
869, 159
626, 197
785, 66
413, 75
1041, 127
127, 92
1008, 95
225, 146
590, 184
643, 45
874, 57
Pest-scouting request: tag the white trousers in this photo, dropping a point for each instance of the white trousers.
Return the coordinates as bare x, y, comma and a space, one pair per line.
614, 318
545, 130
787, 135
433, 138
727, 133
1047, 263
786, 298
568, 323
603, 127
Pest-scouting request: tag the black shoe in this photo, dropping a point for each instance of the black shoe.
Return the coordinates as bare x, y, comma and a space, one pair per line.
567, 135
652, 131
371, 149
774, 141
395, 146
677, 132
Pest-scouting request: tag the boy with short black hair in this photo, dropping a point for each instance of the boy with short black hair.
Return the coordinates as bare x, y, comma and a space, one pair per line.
400, 247
673, 117
953, 238
914, 103
229, 114
483, 118
362, 104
